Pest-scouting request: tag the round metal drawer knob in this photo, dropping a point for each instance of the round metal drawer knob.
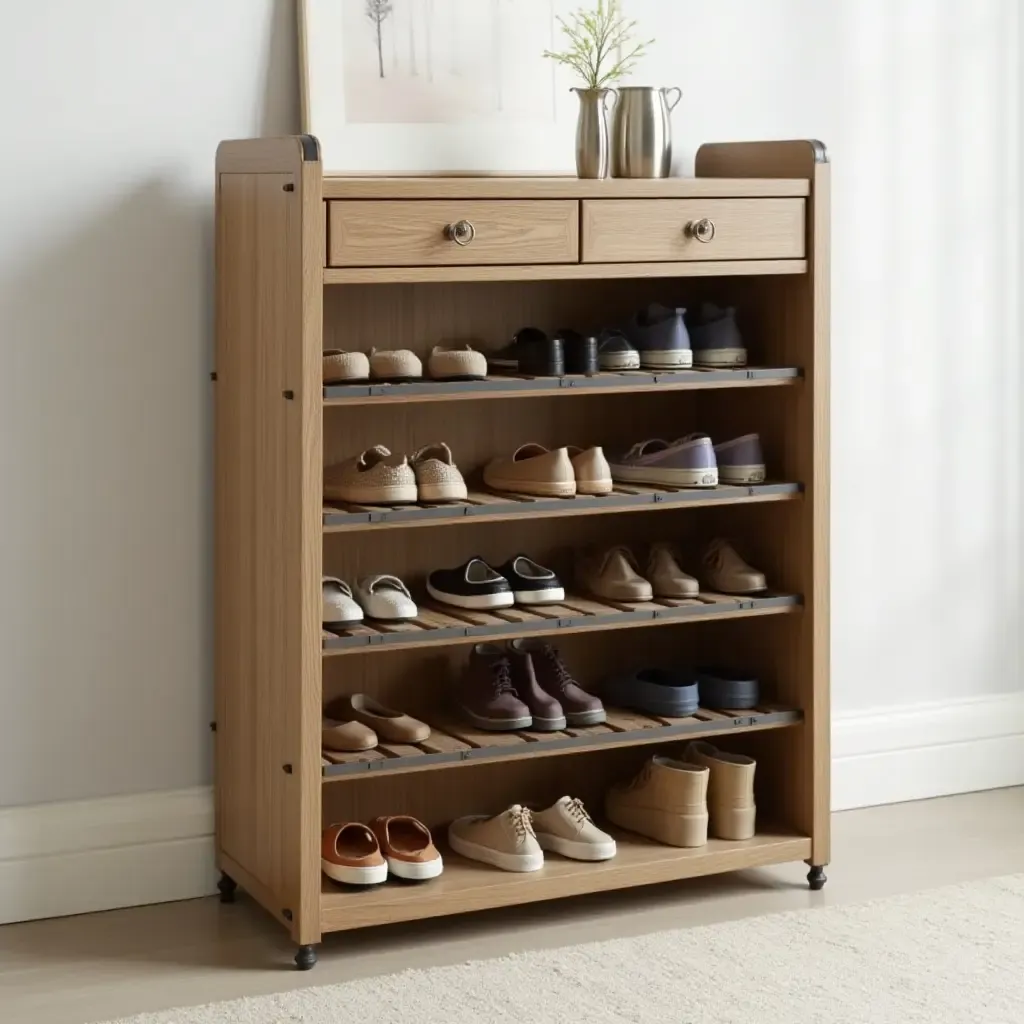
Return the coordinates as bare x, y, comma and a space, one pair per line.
461, 232
703, 230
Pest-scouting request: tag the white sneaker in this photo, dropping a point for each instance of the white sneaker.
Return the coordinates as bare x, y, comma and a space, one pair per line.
386, 598
566, 828
338, 606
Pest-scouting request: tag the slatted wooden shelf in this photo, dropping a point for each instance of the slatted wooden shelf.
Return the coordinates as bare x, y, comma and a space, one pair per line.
501, 386
453, 743
466, 885
437, 623
481, 506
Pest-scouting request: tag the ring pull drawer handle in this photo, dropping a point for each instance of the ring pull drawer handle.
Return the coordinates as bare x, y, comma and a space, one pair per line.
461, 232
703, 230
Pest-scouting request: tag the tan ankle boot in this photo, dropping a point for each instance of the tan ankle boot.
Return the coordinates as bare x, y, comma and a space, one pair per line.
730, 790
667, 801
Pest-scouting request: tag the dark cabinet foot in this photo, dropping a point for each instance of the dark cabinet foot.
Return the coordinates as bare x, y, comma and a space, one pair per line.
227, 886
305, 959
816, 877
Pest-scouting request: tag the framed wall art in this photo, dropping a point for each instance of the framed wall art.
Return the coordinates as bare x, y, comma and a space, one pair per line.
436, 86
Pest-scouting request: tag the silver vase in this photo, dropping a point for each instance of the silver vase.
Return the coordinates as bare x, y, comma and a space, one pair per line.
592, 148
642, 132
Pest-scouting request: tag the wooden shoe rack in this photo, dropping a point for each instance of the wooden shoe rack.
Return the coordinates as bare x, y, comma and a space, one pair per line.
307, 262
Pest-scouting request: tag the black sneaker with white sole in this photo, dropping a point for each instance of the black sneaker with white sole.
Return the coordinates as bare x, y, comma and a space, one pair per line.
472, 585
531, 582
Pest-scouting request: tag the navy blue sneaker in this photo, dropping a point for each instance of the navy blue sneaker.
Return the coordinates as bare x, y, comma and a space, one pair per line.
660, 335
656, 691
715, 338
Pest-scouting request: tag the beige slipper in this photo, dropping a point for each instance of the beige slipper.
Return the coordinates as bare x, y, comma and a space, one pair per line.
391, 726
395, 364
346, 737
341, 367
532, 469
456, 362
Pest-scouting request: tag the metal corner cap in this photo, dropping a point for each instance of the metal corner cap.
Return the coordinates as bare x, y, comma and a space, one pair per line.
820, 151
311, 147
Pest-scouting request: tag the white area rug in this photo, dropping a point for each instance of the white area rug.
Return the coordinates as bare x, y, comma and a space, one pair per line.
949, 956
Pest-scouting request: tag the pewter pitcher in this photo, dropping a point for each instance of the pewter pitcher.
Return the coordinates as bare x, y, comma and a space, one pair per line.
642, 132
593, 157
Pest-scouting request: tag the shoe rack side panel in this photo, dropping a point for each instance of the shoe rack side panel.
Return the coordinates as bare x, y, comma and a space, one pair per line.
269, 258
795, 315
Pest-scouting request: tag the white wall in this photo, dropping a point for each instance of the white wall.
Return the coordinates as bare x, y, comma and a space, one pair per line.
112, 110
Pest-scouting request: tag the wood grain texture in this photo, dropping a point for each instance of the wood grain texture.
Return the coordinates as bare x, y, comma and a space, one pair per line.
345, 187
798, 316
467, 886
390, 234
561, 271
267, 526
656, 229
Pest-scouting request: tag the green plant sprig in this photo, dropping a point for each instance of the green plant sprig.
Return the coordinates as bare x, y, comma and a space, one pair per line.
594, 35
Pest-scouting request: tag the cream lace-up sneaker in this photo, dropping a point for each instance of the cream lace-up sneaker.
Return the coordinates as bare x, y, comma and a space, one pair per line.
506, 841
566, 828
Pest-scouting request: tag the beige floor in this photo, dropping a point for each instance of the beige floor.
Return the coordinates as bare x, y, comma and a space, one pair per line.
90, 968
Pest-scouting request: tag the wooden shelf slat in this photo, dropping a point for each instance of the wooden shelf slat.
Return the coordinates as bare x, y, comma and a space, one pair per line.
483, 507
562, 271
338, 186
443, 625
466, 885
453, 743
604, 383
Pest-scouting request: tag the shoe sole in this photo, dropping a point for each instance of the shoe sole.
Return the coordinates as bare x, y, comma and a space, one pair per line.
520, 862
548, 724
667, 476
373, 874
346, 380
595, 487
741, 474
496, 724
720, 357
538, 488
684, 830
472, 601
575, 850
576, 719
620, 361
342, 623
680, 594
442, 492
733, 824
672, 359
415, 871
553, 595
398, 494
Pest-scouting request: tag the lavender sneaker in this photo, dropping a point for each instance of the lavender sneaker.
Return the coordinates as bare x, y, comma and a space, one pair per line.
715, 339
661, 336
688, 462
740, 461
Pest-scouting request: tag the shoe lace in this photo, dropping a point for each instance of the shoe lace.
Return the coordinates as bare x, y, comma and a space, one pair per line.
578, 811
502, 678
522, 822
562, 674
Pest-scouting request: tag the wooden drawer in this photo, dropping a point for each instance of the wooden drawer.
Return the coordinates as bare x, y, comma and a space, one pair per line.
649, 230
407, 234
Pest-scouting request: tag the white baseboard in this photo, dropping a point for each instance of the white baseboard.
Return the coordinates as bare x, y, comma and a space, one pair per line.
123, 851
921, 751
89, 855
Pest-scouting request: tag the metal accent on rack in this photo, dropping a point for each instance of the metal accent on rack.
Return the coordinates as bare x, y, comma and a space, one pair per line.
461, 232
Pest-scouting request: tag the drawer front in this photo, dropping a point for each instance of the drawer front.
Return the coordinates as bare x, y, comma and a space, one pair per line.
652, 230
420, 233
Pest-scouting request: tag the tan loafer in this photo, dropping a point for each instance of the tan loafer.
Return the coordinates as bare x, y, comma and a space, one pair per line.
350, 854
407, 847
533, 469
389, 725
726, 572
591, 469
666, 577
347, 737
613, 574
341, 367
375, 478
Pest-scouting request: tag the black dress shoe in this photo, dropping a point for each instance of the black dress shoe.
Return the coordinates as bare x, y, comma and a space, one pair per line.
580, 352
531, 353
